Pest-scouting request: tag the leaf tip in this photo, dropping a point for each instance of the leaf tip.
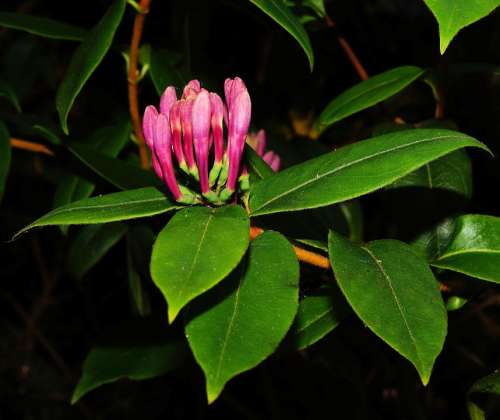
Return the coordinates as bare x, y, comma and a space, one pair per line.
172, 314
213, 392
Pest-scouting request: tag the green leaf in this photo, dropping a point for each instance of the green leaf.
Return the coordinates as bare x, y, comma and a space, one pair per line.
317, 5
165, 70
395, 294
107, 140
90, 245
454, 15
318, 315
367, 93
354, 170
488, 385
241, 322
280, 13
8, 93
40, 26
86, 59
5, 156
474, 248
123, 205
135, 351
122, 175
140, 240
452, 172
196, 250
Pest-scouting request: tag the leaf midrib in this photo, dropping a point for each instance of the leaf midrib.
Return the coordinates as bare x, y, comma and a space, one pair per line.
328, 173
398, 303
467, 251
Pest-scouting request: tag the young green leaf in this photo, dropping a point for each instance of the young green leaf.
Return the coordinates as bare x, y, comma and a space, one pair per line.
318, 315
122, 175
395, 294
109, 141
241, 322
135, 351
5, 155
281, 14
86, 59
41, 26
196, 250
354, 170
488, 385
256, 164
166, 71
454, 15
367, 93
8, 93
474, 248
90, 245
452, 172
123, 205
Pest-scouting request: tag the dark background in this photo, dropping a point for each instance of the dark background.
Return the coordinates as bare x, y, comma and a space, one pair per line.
351, 373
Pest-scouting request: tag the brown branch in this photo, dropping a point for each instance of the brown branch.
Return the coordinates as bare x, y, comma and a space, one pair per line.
349, 52
31, 146
133, 95
302, 254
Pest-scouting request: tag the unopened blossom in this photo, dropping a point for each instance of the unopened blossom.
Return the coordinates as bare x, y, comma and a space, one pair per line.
187, 141
258, 142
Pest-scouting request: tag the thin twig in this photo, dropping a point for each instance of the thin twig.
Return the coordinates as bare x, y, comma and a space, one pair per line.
133, 95
31, 146
349, 52
302, 254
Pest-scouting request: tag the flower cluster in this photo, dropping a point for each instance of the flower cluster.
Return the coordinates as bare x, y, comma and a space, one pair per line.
190, 131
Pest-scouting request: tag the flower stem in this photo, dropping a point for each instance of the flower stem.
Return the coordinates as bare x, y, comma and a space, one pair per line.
302, 254
133, 96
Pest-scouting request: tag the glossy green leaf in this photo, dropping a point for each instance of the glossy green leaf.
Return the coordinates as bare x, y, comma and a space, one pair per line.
165, 70
140, 240
280, 13
196, 250
90, 245
474, 248
395, 294
432, 242
454, 15
8, 93
109, 141
241, 322
122, 175
86, 59
48, 133
367, 93
354, 170
41, 26
452, 172
123, 205
135, 351
5, 156
318, 315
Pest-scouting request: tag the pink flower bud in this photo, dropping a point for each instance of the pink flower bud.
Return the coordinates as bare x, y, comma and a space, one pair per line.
201, 116
167, 100
176, 128
163, 151
273, 160
217, 130
191, 89
148, 127
261, 142
186, 107
232, 88
239, 119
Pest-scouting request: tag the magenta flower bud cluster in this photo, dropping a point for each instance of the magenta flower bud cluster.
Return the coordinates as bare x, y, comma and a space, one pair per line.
186, 140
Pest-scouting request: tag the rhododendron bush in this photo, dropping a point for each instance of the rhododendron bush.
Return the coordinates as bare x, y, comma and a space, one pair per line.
253, 209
